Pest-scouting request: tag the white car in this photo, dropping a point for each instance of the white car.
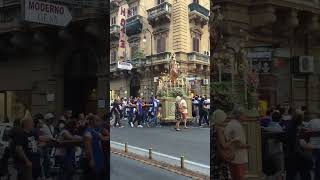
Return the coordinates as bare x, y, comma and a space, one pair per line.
4, 137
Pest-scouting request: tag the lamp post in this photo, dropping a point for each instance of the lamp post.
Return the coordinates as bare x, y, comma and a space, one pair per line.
151, 54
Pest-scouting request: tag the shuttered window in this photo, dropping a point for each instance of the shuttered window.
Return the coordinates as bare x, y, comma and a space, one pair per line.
161, 45
196, 44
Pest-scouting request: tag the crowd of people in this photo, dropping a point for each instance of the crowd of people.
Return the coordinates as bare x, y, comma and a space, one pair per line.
290, 147
137, 111
141, 112
51, 147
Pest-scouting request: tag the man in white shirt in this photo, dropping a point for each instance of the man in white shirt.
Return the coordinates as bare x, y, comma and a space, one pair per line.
184, 111
234, 131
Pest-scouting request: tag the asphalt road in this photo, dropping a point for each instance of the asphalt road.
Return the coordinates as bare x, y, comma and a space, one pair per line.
124, 169
193, 143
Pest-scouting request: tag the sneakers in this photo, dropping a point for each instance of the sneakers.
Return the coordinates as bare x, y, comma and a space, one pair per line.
131, 124
178, 129
139, 126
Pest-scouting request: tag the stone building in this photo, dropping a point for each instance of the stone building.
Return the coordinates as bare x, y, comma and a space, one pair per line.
155, 29
280, 41
277, 35
48, 68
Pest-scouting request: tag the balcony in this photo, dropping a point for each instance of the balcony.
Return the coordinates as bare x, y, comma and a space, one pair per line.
159, 14
158, 59
199, 58
114, 4
114, 32
198, 14
134, 25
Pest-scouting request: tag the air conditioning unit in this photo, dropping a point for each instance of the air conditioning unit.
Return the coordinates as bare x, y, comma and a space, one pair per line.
306, 64
205, 82
303, 64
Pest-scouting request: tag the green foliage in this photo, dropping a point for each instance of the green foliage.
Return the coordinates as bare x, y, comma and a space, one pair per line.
139, 54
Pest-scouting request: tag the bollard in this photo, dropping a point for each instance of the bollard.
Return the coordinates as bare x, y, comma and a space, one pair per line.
126, 147
150, 153
182, 162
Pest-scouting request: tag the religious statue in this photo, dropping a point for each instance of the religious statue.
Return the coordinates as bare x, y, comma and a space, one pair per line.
174, 70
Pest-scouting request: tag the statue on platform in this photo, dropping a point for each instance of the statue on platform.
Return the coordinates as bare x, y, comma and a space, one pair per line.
174, 69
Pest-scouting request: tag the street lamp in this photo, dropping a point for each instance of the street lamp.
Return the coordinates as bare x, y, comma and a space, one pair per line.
151, 54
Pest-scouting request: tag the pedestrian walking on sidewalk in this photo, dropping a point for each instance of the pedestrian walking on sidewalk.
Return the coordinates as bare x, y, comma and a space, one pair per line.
178, 114
235, 131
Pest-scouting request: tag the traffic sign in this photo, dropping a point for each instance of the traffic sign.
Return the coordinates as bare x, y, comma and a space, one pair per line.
47, 13
124, 65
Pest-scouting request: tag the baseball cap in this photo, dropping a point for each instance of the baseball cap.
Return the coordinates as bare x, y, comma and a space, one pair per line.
48, 116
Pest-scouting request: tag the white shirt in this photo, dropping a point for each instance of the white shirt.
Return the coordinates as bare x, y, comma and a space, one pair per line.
234, 130
47, 130
314, 125
183, 104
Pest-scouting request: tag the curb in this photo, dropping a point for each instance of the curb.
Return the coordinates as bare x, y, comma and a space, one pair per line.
171, 160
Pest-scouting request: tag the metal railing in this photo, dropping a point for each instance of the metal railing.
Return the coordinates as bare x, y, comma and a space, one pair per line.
160, 9
195, 56
198, 8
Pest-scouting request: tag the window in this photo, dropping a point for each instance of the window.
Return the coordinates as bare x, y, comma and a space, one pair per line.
161, 45
161, 1
196, 44
113, 20
133, 11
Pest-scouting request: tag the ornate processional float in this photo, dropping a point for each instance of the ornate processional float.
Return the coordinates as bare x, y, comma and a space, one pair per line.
170, 85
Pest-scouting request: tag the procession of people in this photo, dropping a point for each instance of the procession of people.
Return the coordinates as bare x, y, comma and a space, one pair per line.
140, 112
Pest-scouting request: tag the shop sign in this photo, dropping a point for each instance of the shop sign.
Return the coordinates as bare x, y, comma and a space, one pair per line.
46, 13
122, 39
124, 65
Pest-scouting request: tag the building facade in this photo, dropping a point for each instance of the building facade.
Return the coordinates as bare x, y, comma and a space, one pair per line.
279, 40
47, 68
153, 30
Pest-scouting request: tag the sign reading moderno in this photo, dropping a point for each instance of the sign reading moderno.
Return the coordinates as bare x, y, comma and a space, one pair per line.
46, 13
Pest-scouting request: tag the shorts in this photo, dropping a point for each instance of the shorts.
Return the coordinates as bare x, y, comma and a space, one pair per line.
238, 170
184, 115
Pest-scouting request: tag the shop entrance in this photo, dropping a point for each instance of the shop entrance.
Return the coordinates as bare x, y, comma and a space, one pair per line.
80, 82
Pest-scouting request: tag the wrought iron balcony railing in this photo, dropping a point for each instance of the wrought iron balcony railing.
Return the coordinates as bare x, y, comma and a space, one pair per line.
198, 8
159, 13
134, 25
195, 56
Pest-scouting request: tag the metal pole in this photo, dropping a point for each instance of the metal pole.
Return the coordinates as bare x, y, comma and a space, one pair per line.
126, 147
182, 162
150, 153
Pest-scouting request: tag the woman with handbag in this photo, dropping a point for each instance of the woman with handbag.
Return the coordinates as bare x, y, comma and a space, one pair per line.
223, 151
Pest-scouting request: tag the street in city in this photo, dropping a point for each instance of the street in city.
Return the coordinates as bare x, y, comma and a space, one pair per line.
124, 169
193, 143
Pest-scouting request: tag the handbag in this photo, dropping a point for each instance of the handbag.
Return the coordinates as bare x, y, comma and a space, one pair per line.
226, 154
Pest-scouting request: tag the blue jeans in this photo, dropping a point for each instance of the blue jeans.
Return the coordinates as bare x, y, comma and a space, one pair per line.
316, 156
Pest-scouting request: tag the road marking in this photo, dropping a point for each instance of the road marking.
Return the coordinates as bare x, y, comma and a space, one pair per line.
175, 161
